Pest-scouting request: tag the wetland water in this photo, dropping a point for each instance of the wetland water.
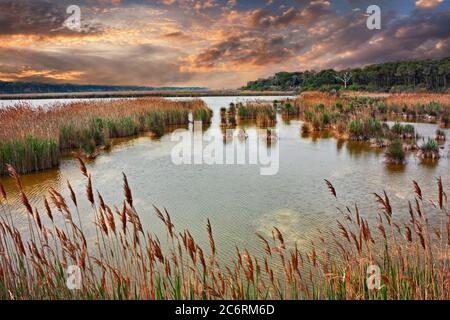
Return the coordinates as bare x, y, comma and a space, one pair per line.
236, 198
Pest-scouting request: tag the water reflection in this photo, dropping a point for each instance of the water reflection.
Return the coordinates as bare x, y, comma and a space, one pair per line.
359, 149
395, 168
340, 144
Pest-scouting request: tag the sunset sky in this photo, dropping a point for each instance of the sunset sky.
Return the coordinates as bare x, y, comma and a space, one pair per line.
211, 43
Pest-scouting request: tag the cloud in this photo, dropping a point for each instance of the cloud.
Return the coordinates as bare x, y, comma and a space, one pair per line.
140, 66
214, 43
177, 36
168, 2
43, 18
428, 3
420, 35
241, 52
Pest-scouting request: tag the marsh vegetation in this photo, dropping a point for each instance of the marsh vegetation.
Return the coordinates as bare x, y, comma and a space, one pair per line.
362, 117
123, 255
33, 139
263, 113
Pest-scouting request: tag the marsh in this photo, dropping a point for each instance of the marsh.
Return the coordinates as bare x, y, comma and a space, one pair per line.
237, 198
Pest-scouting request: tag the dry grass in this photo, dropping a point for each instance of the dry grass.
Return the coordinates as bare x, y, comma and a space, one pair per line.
414, 99
126, 261
366, 94
263, 113
32, 138
360, 116
410, 99
22, 120
313, 98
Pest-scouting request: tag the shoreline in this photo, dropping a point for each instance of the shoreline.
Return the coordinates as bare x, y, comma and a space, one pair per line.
139, 94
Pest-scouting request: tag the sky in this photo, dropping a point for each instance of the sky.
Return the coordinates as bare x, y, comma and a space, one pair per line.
210, 43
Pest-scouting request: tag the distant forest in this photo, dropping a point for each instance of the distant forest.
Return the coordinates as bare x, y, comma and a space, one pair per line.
401, 76
34, 87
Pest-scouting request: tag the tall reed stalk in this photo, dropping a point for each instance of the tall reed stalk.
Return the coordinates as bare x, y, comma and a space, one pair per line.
127, 261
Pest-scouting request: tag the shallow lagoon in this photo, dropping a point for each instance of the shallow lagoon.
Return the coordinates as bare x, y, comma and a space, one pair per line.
236, 198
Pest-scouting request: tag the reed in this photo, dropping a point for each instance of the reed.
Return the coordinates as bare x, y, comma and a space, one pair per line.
32, 139
395, 153
248, 111
127, 261
406, 131
306, 129
203, 114
309, 100
429, 102
429, 149
289, 109
445, 120
440, 135
364, 118
263, 113
423, 107
30, 154
266, 117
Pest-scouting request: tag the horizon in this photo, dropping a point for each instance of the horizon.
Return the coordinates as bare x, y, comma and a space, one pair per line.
202, 87
214, 44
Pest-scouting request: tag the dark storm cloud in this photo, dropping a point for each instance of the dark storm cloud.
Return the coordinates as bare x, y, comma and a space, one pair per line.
245, 49
324, 39
421, 35
265, 18
264, 37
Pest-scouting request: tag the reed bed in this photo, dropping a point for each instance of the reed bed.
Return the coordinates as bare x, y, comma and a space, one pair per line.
412, 105
266, 117
362, 118
228, 116
355, 122
126, 261
32, 139
415, 99
289, 109
433, 108
409, 99
311, 99
202, 114
264, 113
248, 111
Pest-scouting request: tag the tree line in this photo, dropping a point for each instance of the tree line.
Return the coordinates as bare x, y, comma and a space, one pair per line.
400, 76
10, 87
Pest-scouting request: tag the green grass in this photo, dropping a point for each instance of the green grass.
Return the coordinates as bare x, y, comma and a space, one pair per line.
29, 154
356, 128
395, 153
203, 115
430, 146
